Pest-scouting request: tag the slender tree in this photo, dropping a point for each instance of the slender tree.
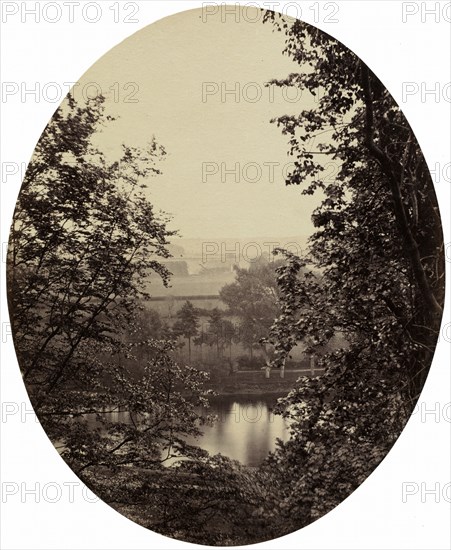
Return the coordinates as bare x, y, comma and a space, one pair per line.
216, 332
187, 323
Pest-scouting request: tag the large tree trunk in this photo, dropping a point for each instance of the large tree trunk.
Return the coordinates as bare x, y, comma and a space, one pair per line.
395, 173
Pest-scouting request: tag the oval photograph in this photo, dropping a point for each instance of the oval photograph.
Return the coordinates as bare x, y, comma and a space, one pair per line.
226, 275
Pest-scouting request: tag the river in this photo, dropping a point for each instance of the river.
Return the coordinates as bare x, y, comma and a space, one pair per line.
245, 429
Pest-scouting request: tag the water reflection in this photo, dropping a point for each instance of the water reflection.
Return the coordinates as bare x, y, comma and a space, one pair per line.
246, 428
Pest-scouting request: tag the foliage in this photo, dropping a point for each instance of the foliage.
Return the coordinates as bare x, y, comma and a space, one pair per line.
210, 500
83, 240
179, 268
253, 298
148, 324
162, 409
144, 324
245, 362
220, 332
378, 280
187, 323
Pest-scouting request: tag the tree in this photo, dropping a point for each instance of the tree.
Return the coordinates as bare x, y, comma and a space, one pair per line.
179, 268
83, 238
84, 241
253, 298
249, 333
145, 324
229, 334
162, 407
200, 340
187, 323
378, 254
149, 324
218, 331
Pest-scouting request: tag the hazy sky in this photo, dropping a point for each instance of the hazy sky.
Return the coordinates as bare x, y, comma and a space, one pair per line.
171, 61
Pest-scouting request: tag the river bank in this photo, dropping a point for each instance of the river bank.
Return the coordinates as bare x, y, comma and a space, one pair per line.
257, 384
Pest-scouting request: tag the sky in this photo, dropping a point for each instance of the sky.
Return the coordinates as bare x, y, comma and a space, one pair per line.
179, 69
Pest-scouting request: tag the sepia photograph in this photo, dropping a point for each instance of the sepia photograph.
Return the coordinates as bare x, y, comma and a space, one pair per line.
226, 275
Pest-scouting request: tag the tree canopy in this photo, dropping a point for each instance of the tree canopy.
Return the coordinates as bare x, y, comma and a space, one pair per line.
84, 239
253, 298
187, 323
379, 280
